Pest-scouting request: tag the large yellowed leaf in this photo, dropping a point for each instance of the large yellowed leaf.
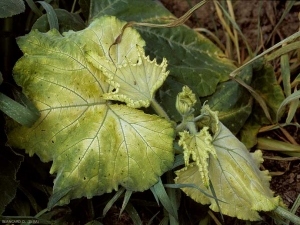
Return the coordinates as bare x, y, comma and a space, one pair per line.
95, 144
243, 190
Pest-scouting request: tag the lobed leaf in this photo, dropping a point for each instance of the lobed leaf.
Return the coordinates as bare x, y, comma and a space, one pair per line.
95, 145
241, 188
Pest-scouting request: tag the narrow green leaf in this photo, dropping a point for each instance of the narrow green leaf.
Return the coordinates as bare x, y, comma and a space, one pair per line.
113, 200
57, 196
296, 205
288, 215
286, 74
66, 21
25, 101
289, 99
11, 7
175, 195
52, 18
152, 218
283, 50
133, 214
292, 110
17, 112
164, 198
125, 200
189, 186
164, 221
34, 7
155, 195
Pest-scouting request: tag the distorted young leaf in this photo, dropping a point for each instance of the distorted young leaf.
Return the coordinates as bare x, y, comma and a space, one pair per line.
241, 188
199, 146
185, 101
95, 145
134, 83
193, 60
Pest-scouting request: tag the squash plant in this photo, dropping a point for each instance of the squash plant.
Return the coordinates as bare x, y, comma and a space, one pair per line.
118, 104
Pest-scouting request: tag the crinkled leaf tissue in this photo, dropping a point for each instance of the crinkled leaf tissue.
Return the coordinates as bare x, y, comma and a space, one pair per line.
219, 157
95, 144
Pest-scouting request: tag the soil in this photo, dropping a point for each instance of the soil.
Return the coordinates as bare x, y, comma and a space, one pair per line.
285, 174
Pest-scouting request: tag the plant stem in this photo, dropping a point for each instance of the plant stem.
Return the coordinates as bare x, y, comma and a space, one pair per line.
159, 110
192, 127
287, 215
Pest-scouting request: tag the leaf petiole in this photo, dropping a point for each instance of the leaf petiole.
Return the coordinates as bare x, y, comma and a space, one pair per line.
159, 110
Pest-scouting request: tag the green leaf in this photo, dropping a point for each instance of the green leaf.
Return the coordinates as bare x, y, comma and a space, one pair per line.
160, 192
241, 188
133, 214
66, 21
22, 114
9, 165
192, 59
110, 144
11, 7
125, 200
232, 101
265, 84
289, 99
113, 200
51, 15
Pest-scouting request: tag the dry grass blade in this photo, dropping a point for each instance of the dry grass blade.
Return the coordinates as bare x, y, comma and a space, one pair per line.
279, 44
280, 146
235, 26
213, 37
236, 39
285, 49
176, 22
286, 11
